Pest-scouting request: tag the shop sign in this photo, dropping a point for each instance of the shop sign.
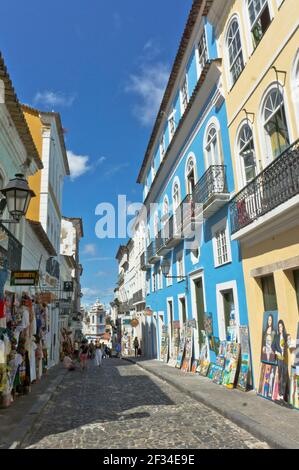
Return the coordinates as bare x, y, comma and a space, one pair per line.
46, 297
68, 286
24, 278
126, 321
52, 267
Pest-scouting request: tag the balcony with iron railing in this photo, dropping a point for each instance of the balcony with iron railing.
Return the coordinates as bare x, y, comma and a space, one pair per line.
121, 278
138, 297
152, 255
275, 186
210, 192
144, 264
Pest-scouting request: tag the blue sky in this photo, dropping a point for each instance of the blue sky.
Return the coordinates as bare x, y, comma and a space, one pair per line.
103, 65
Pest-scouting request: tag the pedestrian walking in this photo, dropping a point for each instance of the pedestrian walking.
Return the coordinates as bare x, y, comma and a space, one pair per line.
136, 346
103, 351
83, 355
76, 350
118, 350
98, 355
91, 349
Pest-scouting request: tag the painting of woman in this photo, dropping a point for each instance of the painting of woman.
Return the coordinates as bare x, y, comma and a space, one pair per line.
268, 355
279, 347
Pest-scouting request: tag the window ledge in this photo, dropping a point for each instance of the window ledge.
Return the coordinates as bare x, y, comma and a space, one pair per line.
223, 264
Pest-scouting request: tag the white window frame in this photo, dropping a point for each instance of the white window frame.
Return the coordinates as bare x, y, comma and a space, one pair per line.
162, 147
251, 46
184, 94
201, 34
213, 122
190, 157
220, 289
295, 87
153, 171
231, 81
220, 226
180, 261
182, 296
240, 163
266, 144
171, 118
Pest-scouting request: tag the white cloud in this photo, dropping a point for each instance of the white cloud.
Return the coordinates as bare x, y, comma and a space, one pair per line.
149, 86
52, 98
78, 164
116, 168
99, 258
89, 249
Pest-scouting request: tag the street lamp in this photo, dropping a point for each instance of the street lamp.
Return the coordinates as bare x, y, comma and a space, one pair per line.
17, 196
165, 266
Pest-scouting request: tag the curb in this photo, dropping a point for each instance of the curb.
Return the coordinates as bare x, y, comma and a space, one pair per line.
245, 422
18, 436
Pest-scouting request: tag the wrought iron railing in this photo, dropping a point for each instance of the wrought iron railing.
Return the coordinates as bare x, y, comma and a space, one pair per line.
212, 182
138, 296
121, 278
151, 250
276, 184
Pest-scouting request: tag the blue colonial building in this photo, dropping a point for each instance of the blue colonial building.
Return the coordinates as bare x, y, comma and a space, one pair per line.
188, 182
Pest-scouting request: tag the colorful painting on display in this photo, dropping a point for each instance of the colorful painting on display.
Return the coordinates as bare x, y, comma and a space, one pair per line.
231, 364
242, 383
220, 360
164, 344
294, 389
194, 366
175, 344
204, 356
268, 334
268, 383
215, 373
181, 352
231, 333
208, 323
186, 366
214, 343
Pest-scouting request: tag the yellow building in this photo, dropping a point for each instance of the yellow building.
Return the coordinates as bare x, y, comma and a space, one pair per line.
258, 41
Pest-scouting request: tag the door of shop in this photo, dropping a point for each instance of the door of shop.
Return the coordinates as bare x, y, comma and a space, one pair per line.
200, 310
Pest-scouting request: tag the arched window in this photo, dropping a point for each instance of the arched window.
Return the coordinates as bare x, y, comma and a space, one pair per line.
275, 123
176, 197
190, 174
156, 225
235, 53
212, 147
247, 154
165, 210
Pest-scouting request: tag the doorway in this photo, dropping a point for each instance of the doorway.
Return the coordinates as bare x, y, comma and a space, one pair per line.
170, 324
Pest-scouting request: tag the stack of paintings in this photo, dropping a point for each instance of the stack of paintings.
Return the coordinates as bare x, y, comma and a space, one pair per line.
194, 366
164, 344
186, 366
231, 364
294, 380
204, 358
216, 373
274, 379
245, 359
181, 351
175, 344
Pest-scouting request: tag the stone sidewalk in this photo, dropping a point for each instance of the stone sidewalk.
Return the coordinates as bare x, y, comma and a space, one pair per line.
17, 420
275, 424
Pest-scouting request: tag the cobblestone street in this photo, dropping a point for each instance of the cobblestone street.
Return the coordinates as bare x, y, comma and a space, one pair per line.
121, 406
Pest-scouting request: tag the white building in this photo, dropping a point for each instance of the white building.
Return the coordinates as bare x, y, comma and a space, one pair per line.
94, 323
